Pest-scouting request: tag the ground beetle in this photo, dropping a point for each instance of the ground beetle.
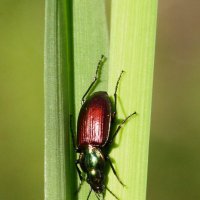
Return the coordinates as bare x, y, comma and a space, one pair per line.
95, 119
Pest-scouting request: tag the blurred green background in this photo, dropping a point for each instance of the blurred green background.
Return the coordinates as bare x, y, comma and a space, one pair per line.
21, 100
174, 160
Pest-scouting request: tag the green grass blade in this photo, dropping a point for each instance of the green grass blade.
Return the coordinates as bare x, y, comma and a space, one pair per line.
59, 166
132, 49
90, 42
133, 28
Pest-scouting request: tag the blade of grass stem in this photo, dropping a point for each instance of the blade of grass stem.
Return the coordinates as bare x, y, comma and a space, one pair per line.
90, 42
133, 28
59, 166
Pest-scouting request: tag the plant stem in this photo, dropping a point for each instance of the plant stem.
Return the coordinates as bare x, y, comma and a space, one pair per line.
59, 159
133, 28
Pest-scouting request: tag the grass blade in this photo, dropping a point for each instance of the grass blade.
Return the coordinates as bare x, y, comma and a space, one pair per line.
90, 42
59, 166
131, 49
133, 28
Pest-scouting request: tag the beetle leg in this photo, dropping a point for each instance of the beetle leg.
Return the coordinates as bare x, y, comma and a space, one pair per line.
100, 63
72, 134
89, 194
119, 127
114, 171
79, 187
79, 171
115, 95
80, 177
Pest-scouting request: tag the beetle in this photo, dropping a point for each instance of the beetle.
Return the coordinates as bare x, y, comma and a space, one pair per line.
95, 121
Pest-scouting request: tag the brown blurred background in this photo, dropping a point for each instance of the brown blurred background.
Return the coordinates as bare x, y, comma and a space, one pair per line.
174, 160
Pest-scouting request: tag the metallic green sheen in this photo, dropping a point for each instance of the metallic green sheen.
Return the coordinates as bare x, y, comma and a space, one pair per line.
91, 158
92, 163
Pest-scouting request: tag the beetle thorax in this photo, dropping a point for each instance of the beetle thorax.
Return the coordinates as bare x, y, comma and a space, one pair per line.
92, 163
91, 158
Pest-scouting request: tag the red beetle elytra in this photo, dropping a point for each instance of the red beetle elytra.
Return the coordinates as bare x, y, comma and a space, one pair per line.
94, 139
95, 119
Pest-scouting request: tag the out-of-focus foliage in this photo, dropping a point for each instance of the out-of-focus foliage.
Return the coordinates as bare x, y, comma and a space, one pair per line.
174, 160
21, 100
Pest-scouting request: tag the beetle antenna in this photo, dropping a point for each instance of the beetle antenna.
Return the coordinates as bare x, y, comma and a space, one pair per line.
97, 196
112, 193
89, 194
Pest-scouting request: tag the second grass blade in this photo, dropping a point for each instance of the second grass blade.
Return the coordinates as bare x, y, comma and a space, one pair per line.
90, 42
132, 47
59, 167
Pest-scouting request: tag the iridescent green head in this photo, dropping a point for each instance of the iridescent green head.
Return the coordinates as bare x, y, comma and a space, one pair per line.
92, 163
95, 178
